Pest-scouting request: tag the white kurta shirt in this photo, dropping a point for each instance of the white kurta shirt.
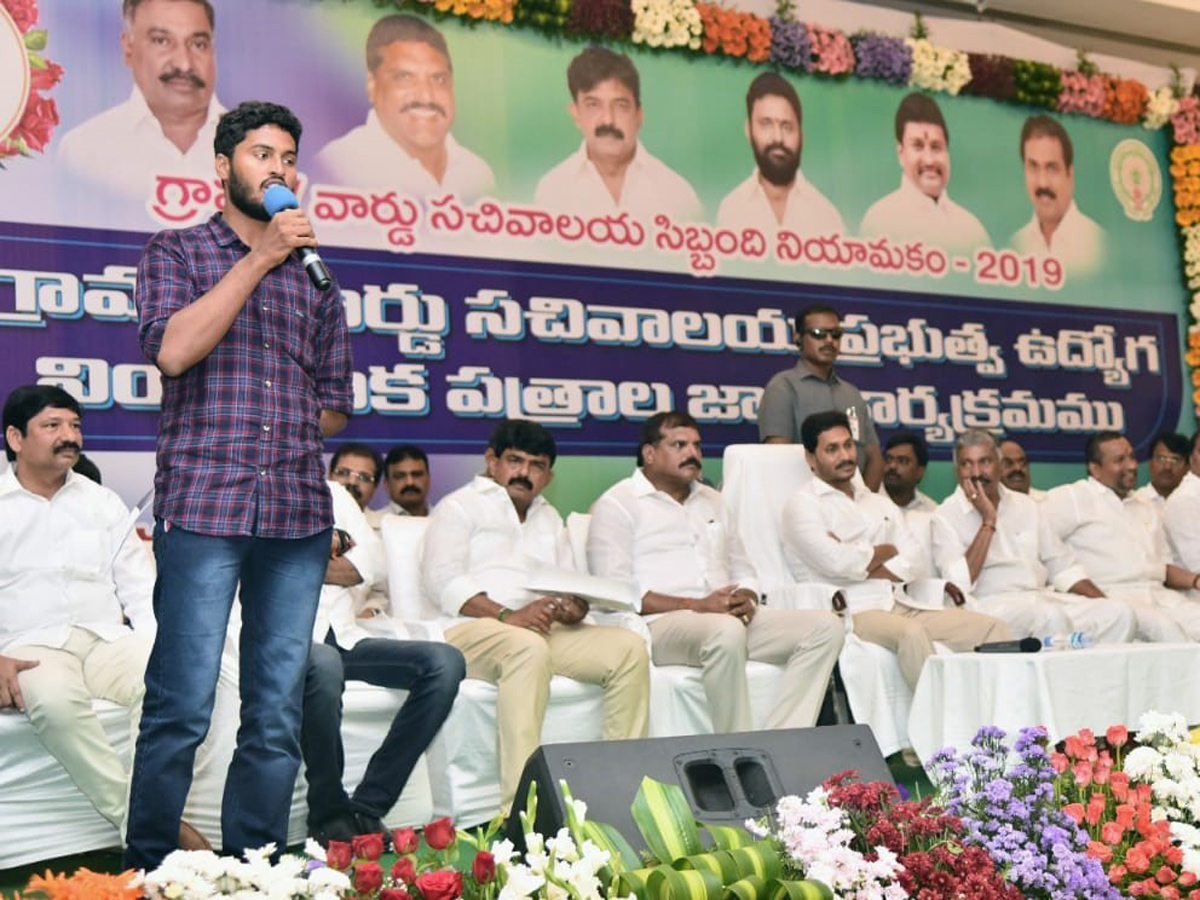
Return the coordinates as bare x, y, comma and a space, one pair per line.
828, 536
124, 150
1116, 541
375, 516
645, 537
476, 543
72, 560
1077, 242
1025, 554
367, 157
650, 187
909, 214
341, 605
1181, 519
807, 213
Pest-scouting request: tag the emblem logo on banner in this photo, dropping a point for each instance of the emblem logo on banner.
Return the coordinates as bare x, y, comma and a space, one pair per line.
1136, 179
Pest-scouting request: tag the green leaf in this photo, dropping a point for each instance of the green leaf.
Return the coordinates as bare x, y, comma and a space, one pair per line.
621, 855
799, 890
35, 39
751, 888
728, 837
761, 859
666, 883
722, 864
37, 62
665, 821
636, 882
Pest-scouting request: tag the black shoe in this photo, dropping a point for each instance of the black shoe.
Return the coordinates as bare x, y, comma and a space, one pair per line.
369, 823
341, 827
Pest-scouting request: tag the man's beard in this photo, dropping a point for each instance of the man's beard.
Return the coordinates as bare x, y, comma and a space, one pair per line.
240, 195
778, 171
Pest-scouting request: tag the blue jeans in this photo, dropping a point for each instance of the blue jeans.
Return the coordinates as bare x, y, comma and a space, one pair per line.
429, 671
197, 577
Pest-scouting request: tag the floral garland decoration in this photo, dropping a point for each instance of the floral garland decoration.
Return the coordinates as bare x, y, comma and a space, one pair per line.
882, 58
667, 23
734, 33
40, 117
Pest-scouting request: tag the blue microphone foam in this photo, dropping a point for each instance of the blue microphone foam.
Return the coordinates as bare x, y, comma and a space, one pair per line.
277, 198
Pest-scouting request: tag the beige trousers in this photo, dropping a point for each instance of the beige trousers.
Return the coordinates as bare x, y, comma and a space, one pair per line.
520, 662
910, 633
806, 642
58, 700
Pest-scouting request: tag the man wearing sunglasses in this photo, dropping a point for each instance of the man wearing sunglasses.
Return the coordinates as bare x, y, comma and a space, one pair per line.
812, 386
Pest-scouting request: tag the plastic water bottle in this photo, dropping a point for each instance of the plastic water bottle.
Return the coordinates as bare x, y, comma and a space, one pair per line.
1075, 640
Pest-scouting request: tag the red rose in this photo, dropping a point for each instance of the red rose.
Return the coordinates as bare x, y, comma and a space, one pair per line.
1117, 736
44, 79
1075, 811
368, 846
394, 894
368, 877
1137, 861
404, 870
439, 834
441, 885
404, 840
41, 115
24, 13
1165, 875
1099, 850
484, 867
338, 855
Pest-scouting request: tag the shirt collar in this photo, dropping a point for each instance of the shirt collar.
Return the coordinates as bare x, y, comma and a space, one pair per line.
376, 127
639, 161
10, 485
489, 487
807, 372
799, 186
643, 487
916, 195
220, 232
822, 487
143, 115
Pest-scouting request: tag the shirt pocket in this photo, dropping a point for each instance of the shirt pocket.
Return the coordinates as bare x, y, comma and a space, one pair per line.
88, 553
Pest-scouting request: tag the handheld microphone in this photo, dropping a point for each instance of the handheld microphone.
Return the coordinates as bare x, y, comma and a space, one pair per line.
277, 198
1024, 645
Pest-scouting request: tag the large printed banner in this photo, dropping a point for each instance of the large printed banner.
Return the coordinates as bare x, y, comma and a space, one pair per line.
497, 257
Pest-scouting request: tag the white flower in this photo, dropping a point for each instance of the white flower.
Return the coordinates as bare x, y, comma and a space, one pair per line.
503, 851
521, 882
1142, 763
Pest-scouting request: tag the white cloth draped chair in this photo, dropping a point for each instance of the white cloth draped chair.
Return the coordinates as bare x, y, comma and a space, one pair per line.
758, 479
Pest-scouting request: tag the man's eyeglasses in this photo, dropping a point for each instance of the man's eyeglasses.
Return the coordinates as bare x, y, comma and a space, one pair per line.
1169, 460
819, 334
343, 472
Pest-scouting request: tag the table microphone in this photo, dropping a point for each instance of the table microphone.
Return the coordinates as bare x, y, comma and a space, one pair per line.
277, 198
1024, 645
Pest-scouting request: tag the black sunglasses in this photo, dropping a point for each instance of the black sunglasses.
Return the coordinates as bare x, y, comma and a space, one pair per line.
819, 334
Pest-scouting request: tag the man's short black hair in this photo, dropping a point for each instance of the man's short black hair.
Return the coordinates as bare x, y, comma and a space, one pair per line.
920, 109
27, 401
597, 64
403, 27
233, 125
1174, 442
772, 84
914, 440
1091, 450
1044, 126
402, 452
812, 309
817, 424
129, 10
653, 428
521, 434
356, 448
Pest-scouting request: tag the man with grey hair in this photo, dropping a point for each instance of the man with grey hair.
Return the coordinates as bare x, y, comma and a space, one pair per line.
1000, 543
1118, 538
405, 143
167, 125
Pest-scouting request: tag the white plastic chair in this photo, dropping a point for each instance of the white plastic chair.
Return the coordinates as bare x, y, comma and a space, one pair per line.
758, 479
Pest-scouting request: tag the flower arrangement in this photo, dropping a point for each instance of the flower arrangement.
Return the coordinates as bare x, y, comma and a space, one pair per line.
790, 46
991, 76
881, 57
937, 68
549, 16
667, 23
1161, 104
40, 116
1010, 810
830, 52
612, 19
491, 10
1185, 121
1036, 84
1124, 100
1185, 181
1082, 93
734, 33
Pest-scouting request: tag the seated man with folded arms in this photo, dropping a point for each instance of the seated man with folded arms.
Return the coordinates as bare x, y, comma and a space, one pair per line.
484, 542
672, 537
998, 543
836, 531
76, 618
1181, 513
355, 639
1118, 539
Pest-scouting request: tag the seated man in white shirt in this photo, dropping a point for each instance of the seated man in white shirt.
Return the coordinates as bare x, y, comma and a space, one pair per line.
672, 537
484, 542
1120, 542
921, 208
1014, 470
1057, 228
777, 196
905, 457
76, 618
355, 639
1167, 464
836, 531
406, 480
999, 544
167, 125
405, 144
1181, 512
612, 171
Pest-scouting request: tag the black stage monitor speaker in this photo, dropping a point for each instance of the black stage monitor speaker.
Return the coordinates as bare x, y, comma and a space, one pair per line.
727, 778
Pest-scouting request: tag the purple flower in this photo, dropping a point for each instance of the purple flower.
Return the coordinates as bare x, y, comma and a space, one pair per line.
881, 57
790, 46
